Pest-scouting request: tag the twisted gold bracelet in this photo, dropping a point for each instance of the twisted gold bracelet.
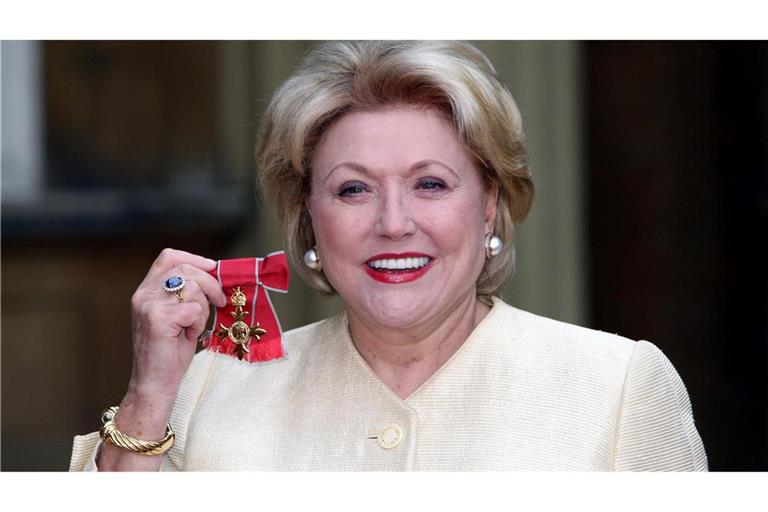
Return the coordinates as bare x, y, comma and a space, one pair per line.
111, 435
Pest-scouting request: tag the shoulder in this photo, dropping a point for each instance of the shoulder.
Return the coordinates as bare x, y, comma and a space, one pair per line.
637, 363
656, 428
307, 333
563, 365
579, 356
574, 363
311, 338
648, 402
542, 337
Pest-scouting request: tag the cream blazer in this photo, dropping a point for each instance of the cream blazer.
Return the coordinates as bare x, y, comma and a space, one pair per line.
523, 393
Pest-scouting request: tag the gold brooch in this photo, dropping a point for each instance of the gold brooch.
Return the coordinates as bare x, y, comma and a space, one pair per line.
240, 332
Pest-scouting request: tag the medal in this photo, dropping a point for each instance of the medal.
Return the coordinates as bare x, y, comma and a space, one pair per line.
240, 333
247, 326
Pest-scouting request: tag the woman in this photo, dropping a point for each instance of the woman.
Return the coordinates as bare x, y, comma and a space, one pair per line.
399, 172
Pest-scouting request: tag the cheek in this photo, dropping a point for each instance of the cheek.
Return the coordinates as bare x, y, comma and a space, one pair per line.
338, 232
458, 222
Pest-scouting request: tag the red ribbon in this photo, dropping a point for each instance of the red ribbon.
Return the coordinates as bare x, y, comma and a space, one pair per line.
254, 276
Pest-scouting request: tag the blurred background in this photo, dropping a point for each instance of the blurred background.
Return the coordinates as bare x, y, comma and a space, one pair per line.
650, 161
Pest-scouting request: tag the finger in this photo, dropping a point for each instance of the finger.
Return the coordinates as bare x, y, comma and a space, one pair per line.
193, 293
171, 320
170, 258
193, 332
208, 284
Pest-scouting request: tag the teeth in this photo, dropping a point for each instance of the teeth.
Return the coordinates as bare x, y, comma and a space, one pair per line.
399, 263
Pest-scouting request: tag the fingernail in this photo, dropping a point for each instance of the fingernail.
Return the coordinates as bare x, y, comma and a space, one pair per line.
210, 262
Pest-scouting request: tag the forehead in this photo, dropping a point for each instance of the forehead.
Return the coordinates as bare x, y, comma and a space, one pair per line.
391, 137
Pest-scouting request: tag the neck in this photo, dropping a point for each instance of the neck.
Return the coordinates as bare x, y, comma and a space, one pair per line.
404, 359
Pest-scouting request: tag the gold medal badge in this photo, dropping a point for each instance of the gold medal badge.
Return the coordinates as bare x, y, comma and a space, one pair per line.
240, 332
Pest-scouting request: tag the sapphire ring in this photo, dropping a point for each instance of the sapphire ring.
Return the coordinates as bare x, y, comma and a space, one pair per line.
174, 285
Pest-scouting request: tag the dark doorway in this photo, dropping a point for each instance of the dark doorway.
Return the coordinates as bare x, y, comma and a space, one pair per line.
678, 179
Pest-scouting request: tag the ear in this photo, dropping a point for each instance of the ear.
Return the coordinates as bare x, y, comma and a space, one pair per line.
491, 203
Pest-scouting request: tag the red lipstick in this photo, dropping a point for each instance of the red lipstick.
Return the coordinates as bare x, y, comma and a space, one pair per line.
401, 275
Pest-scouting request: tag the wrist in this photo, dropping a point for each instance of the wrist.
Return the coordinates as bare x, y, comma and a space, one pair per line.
145, 393
143, 416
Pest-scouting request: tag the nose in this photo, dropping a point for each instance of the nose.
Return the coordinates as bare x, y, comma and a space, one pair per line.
395, 217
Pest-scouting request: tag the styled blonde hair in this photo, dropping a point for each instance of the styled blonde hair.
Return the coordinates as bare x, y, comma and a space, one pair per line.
339, 77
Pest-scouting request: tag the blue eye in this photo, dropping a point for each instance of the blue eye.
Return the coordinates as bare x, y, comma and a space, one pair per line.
431, 184
351, 189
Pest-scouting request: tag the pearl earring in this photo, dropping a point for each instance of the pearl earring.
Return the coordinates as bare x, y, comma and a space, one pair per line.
493, 245
312, 260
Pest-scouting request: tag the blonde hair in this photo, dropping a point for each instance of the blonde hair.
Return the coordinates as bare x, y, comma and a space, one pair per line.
340, 77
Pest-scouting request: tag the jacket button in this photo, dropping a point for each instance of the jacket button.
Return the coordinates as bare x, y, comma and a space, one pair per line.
390, 437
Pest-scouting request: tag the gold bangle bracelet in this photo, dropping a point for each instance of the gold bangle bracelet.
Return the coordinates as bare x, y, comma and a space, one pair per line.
111, 435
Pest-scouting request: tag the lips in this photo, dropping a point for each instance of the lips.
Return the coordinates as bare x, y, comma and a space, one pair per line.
398, 268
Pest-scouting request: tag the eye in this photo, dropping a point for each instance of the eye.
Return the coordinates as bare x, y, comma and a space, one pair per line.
431, 184
351, 189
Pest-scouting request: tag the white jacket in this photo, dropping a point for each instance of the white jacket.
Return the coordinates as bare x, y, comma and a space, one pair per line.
523, 393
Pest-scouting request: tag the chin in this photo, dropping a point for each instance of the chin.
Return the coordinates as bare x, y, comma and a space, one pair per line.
397, 311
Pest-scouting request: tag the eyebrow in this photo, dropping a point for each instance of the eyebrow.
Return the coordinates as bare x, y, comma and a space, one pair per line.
414, 168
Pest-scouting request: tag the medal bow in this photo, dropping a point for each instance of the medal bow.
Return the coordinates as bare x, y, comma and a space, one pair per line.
247, 326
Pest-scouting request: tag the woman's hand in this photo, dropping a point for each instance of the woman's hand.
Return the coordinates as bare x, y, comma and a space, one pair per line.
165, 333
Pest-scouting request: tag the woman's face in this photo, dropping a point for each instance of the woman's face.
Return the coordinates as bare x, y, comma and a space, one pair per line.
400, 214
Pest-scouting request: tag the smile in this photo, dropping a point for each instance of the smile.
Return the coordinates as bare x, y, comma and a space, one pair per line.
398, 268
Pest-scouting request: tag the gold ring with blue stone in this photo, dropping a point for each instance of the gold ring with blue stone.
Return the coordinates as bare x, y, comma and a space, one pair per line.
174, 285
